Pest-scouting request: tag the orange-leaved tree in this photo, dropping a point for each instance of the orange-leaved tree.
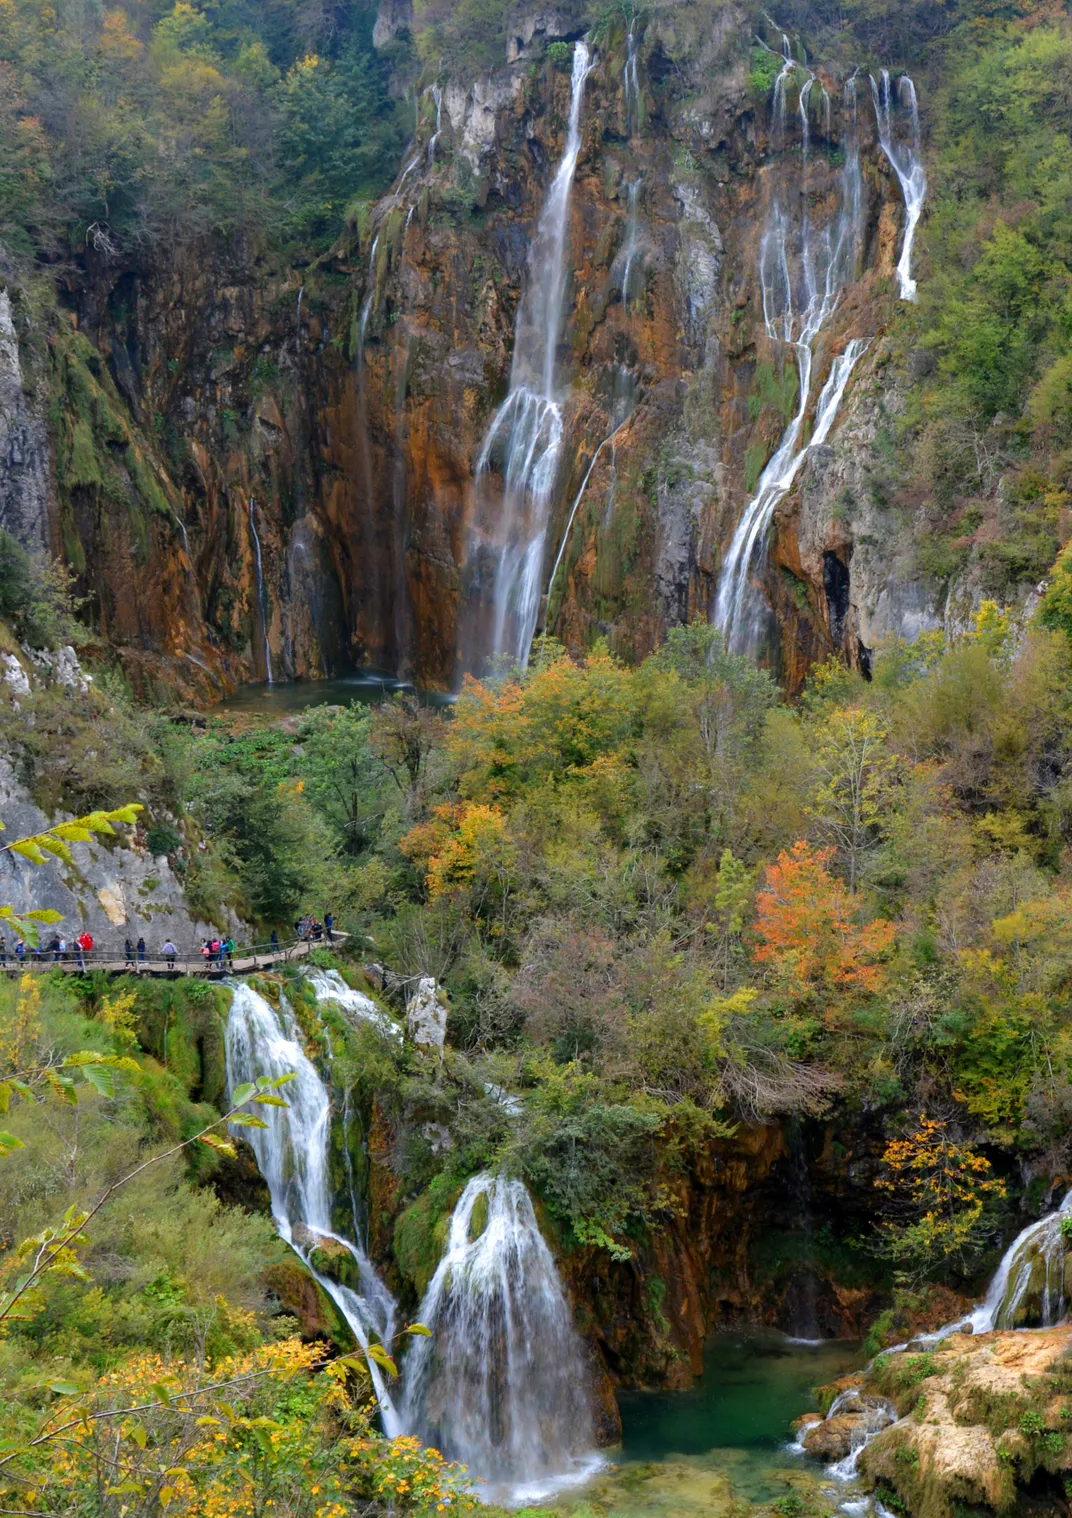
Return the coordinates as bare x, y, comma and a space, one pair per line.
810, 936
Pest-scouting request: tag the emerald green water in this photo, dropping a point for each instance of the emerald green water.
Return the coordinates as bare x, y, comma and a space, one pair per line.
285, 698
721, 1448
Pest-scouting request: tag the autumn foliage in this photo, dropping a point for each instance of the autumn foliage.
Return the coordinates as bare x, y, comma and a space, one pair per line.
808, 930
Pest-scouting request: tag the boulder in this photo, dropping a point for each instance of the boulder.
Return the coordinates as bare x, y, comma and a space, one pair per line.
426, 1015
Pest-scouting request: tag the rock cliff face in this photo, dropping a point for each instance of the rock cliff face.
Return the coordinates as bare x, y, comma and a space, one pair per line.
264, 468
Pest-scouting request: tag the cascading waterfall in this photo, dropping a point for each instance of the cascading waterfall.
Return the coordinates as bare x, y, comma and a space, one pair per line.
328, 985
803, 271
525, 439
501, 1385
262, 593
292, 1153
906, 160
1029, 1281
874, 1414
631, 251
437, 96
631, 83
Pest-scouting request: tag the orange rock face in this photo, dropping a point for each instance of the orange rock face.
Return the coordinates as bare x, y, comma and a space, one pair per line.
332, 417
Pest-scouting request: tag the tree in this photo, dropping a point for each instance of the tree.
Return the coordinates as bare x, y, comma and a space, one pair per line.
340, 772
854, 773
806, 924
938, 1190
403, 734
55, 842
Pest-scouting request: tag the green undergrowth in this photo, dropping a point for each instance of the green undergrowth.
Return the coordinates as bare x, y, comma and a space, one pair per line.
170, 1268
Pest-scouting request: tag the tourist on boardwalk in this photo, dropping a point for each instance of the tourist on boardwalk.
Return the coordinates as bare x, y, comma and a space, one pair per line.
274, 941
169, 952
85, 946
128, 952
329, 923
20, 949
3, 950
141, 951
228, 949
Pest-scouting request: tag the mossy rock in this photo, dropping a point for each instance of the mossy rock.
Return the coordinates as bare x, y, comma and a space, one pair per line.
420, 1236
478, 1218
332, 1259
305, 1299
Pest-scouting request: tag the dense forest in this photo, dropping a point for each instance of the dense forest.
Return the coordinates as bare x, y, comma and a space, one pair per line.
758, 968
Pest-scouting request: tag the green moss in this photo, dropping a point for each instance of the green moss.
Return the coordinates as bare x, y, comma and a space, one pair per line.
420, 1235
769, 388
82, 467
765, 68
754, 459
478, 1220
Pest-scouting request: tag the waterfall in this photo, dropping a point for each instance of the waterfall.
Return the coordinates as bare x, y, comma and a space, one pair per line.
906, 160
501, 1384
437, 96
262, 593
875, 1414
632, 243
366, 309
802, 273
328, 985
181, 525
621, 411
526, 435
1032, 1269
292, 1153
631, 84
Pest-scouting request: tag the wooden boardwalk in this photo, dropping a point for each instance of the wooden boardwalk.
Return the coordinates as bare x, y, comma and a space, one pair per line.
246, 961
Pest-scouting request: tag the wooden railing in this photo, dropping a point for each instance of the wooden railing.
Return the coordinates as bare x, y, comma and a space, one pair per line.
246, 959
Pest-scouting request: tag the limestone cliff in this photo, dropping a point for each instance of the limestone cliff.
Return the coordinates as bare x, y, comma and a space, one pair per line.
264, 467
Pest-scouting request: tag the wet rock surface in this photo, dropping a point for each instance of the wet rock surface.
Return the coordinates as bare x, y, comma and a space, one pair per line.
355, 453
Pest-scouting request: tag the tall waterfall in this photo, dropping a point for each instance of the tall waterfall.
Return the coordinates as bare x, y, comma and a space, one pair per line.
631, 83
292, 1153
524, 443
906, 160
262, 593
501, 1384
803, 270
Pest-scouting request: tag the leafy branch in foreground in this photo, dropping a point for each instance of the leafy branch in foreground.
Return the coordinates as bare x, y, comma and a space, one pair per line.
54, 1250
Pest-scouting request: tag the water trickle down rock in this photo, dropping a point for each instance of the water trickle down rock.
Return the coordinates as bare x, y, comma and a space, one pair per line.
906, 160
328, 985
803, 270
501, 1384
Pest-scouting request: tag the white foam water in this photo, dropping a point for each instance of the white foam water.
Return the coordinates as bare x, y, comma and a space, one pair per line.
501, 1384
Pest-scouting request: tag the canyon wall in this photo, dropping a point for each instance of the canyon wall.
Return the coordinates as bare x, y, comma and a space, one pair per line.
258, 468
